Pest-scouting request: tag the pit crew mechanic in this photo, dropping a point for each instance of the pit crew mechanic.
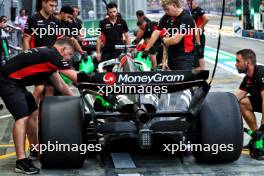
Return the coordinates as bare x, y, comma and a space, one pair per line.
201, 19
181, 44
112, 30
145, 31
42, 20
28, 68
45, 20
253, 84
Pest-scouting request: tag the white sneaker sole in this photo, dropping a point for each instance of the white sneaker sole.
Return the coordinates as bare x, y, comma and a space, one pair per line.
24, 172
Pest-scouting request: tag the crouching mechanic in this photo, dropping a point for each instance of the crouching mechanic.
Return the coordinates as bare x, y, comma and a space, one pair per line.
26, 69
251, 91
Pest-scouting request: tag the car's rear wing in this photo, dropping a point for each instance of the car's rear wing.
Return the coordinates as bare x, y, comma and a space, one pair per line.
174, 80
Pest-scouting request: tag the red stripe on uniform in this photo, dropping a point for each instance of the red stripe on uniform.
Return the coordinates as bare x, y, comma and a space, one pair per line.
199, 21
104, 38
188, 43
33, 70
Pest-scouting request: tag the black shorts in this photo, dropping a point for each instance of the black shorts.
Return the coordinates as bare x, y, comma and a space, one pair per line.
17, 99
256, 103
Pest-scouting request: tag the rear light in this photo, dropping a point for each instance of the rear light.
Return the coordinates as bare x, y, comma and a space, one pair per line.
85, 43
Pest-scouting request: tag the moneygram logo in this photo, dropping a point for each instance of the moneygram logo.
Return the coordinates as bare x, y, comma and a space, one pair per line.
157, 78
110, 78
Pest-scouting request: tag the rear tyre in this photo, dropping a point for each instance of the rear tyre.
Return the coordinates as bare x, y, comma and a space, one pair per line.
62, 123
220, 128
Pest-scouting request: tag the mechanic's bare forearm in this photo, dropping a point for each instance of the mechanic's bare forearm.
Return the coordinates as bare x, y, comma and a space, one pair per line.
197, 35
71, 74
98, 45
65, 90
154, 37
205, 21
60, 85
127, 38
77, 46
26, 40
164, 56
173, 40
139, 35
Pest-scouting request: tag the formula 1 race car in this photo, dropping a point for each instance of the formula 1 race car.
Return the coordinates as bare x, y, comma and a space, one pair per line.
183, 106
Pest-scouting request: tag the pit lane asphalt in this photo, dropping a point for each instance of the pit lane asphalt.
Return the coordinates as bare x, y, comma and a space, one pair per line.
149, 164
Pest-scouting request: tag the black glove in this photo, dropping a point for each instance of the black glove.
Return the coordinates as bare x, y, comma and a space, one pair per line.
199, 51
85, 56
135, 42
84, 77
261, 128
258, 134
145, 54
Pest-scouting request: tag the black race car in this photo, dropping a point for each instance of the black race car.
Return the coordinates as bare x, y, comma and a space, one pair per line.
187, 109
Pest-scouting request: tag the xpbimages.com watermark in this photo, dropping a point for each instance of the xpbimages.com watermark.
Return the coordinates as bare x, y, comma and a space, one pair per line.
189, 147
86, 32
61, 31
59, 147
187, 30
136, 83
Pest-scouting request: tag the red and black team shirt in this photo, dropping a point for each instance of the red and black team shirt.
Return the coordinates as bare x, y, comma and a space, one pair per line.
34, 66
113, 34
149, 28
183, 24
198, 14
37, 23
254, 85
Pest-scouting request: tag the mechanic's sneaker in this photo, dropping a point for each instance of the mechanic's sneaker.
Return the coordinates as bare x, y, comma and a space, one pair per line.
26, 166
33, 155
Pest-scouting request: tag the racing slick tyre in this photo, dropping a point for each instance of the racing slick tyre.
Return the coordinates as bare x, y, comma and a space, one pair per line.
61, 130
220, 129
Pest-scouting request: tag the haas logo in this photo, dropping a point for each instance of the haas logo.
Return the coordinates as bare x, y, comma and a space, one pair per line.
110, 78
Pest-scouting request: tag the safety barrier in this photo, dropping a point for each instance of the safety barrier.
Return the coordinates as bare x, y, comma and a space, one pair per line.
253, 34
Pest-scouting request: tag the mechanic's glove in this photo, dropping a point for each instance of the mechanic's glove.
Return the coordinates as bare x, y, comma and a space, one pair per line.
145, 54
258, 134
135, 42
85, 56
261, 128
84, 77
199, 50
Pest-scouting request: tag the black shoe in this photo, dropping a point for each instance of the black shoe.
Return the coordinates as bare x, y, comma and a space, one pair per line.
26, 166
33, 155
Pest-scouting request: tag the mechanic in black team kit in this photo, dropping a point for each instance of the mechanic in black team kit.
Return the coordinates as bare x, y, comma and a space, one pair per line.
141, 16
176, 30
43, 20
113, 29
251, 90
201, 19
145, 31
26, 69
